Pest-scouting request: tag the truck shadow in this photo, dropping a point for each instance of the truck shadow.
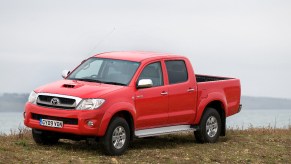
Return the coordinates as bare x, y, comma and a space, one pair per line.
167, 142
160, 142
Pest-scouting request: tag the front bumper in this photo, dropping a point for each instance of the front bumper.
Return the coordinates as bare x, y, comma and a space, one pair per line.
75, 121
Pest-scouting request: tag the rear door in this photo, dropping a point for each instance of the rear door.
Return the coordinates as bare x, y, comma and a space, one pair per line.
182, 93
152, 103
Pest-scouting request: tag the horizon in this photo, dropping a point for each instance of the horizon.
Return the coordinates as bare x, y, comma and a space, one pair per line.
20, 93
14, 102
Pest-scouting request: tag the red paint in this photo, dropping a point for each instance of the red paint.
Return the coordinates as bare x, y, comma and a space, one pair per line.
147, 107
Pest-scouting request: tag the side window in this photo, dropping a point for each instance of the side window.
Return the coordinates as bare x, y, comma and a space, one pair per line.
154, 72
177, 71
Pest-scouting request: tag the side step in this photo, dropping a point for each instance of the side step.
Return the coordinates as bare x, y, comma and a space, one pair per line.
164, 130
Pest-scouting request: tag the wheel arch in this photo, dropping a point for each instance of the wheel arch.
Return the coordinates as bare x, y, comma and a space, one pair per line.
124, 110
217, 102
128, 118
218, 106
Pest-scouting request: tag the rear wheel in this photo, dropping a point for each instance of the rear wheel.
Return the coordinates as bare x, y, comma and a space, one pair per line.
44, 137
209, 128
116, 139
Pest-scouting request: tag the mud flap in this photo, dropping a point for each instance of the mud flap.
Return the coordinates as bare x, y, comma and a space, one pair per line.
223, 127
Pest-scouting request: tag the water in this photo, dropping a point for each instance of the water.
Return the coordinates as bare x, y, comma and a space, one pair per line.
243, 120
259, 118
10, 122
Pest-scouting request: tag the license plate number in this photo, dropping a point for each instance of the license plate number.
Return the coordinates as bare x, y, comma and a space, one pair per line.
51, 123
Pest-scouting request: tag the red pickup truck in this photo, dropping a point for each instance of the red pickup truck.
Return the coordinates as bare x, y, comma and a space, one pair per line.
117, 96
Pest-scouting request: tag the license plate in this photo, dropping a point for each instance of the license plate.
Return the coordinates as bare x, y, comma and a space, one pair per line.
51, 123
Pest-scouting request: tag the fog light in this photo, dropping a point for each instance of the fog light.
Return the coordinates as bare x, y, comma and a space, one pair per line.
90, 123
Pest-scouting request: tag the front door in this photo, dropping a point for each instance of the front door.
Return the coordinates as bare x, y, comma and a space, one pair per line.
152, 103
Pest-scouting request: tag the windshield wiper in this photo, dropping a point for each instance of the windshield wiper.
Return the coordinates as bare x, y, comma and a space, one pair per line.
114, 83
89, 80
98, 81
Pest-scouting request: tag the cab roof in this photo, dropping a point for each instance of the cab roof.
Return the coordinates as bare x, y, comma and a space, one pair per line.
136, 56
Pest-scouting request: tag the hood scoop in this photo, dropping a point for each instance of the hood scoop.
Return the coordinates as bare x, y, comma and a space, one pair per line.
69, 86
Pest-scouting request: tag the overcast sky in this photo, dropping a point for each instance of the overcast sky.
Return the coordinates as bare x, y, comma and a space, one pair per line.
250, 40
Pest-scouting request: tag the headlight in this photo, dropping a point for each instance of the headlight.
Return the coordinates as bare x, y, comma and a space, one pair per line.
90, 104
32, 97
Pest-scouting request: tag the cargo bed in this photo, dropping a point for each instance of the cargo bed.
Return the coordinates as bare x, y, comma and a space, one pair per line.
206, 78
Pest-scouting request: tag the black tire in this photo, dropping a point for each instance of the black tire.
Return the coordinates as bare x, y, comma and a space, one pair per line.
44, 138
119, 146
211, 116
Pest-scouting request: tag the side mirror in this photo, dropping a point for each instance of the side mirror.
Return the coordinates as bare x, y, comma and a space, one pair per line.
65, 73
145, 83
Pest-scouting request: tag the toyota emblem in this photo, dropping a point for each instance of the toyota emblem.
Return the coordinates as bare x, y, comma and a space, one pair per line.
55, 101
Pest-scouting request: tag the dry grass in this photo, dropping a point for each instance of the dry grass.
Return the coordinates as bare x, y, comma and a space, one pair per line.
239, 146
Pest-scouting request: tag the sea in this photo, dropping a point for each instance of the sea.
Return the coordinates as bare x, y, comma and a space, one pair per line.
11, 122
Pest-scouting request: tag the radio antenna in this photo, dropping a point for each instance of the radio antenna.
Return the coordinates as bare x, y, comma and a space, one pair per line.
101, 41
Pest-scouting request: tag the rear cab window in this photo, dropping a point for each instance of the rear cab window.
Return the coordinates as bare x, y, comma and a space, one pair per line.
177, 71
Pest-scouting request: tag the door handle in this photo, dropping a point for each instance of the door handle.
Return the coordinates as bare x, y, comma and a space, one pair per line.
164, 93
190, 90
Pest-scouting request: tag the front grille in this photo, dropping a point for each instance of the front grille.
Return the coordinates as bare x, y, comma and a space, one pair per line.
63, 102
71, 121
53, 106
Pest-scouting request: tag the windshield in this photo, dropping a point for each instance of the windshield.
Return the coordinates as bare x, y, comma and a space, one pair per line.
109, 71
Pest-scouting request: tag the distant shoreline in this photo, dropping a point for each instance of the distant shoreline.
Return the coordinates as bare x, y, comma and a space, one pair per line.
13, 102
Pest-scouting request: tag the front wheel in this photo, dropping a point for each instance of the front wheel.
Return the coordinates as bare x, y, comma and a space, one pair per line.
116, 139
209, 128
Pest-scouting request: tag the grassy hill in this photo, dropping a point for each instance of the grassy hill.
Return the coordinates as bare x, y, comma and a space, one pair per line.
247, 146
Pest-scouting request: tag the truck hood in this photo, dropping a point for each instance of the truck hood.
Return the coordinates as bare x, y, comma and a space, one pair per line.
80, 89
